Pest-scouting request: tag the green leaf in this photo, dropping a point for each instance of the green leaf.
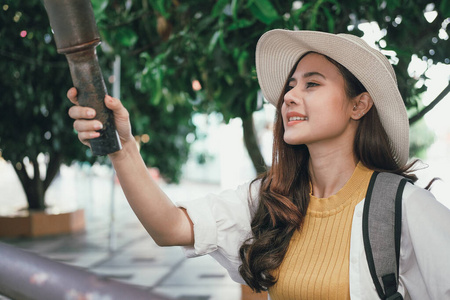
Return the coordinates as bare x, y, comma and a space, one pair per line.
214, 40
296, 14
242, 23
157, 88
126, 36
378, 3
330, 19
264, 11
337, 5
229, 79
218, 8
250, 103
99, 6
242, 63
234, 8
394, 4
314, 13
222, 44
444, 8
159, 6
145, 56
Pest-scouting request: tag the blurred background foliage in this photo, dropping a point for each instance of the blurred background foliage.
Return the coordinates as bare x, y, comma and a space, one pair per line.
182, 57
420, 138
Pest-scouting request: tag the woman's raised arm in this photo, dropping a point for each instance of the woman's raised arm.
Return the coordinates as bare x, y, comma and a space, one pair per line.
167, 224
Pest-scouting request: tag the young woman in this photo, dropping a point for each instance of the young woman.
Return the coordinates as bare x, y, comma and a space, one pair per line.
296, 230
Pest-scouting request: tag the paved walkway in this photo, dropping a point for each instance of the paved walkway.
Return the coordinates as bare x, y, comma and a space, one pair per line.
120, 249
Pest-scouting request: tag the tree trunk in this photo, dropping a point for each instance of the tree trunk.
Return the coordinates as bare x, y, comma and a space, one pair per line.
251, 143
52, 169
35, 187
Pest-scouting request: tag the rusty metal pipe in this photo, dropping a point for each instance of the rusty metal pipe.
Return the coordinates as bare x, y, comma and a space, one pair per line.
76, 36
25, 275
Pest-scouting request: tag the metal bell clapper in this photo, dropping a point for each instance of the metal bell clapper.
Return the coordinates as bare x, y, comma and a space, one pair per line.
76, 36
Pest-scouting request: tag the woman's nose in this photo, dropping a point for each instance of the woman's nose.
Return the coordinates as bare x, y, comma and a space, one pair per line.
291, 97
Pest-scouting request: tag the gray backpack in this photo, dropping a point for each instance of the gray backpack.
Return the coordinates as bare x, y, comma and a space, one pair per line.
382, 222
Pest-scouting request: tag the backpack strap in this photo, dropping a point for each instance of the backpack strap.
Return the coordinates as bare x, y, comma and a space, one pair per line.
382, 221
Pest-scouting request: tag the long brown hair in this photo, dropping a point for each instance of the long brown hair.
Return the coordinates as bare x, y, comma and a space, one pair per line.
284, 190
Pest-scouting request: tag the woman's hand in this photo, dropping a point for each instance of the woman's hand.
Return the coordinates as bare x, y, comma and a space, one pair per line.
87, 127
166, 223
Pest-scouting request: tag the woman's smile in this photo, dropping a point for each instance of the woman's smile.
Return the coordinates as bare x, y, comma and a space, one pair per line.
295, 118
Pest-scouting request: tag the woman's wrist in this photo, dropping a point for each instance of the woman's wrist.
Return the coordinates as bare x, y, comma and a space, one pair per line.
128, 147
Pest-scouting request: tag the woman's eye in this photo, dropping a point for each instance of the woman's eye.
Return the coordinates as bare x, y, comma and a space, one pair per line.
311, 84
288, 88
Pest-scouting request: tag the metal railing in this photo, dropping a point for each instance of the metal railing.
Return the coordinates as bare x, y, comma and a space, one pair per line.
25, 275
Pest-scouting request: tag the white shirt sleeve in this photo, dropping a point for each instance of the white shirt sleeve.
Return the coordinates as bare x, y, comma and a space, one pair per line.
221, 224
428, 236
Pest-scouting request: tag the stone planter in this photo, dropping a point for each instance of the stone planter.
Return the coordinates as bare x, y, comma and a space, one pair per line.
41, 223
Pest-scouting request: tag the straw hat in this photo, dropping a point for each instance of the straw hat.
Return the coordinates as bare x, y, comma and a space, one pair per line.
278, 50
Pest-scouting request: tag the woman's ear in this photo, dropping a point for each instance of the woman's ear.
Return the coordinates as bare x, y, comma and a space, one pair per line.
361, 105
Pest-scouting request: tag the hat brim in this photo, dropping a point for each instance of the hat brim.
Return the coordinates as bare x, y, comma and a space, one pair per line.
279, 50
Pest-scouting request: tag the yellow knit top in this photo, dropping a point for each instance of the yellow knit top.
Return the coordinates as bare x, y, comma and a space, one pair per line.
316, 265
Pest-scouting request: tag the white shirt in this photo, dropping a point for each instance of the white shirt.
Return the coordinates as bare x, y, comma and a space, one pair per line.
222, 224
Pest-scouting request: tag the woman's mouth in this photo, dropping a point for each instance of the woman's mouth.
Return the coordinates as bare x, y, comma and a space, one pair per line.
295, 118
298, 119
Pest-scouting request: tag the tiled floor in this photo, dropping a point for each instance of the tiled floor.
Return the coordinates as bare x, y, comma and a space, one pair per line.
137, 260
131, 256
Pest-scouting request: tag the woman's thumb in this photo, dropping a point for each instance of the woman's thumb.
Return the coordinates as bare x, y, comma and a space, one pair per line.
114, 104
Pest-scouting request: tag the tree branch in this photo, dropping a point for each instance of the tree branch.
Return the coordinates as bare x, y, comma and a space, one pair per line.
37, 172
52, 169
22, 174
33, 61
135, 17
25, 180
142, 49
430, 106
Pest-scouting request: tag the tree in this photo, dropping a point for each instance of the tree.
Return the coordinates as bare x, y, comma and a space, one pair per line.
214, 43
32, 109
167, 45
36, 133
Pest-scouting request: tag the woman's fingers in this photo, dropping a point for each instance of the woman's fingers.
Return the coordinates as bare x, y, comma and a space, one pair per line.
85, 136
72, 95
87, 129
81, 112
77, 111
121, 118
116, 106
87, 125
83, 124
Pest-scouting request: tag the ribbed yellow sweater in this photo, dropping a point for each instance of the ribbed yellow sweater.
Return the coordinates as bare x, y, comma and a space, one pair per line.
316, 265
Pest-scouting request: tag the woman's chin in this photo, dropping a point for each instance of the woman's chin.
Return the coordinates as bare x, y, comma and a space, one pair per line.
293, 141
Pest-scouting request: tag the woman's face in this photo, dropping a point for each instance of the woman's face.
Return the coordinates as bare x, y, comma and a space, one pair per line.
316, 108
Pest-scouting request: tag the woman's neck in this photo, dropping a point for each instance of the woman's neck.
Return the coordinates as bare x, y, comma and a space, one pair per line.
330, 170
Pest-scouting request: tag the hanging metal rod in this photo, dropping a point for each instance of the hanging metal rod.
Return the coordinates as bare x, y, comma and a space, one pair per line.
28, 276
